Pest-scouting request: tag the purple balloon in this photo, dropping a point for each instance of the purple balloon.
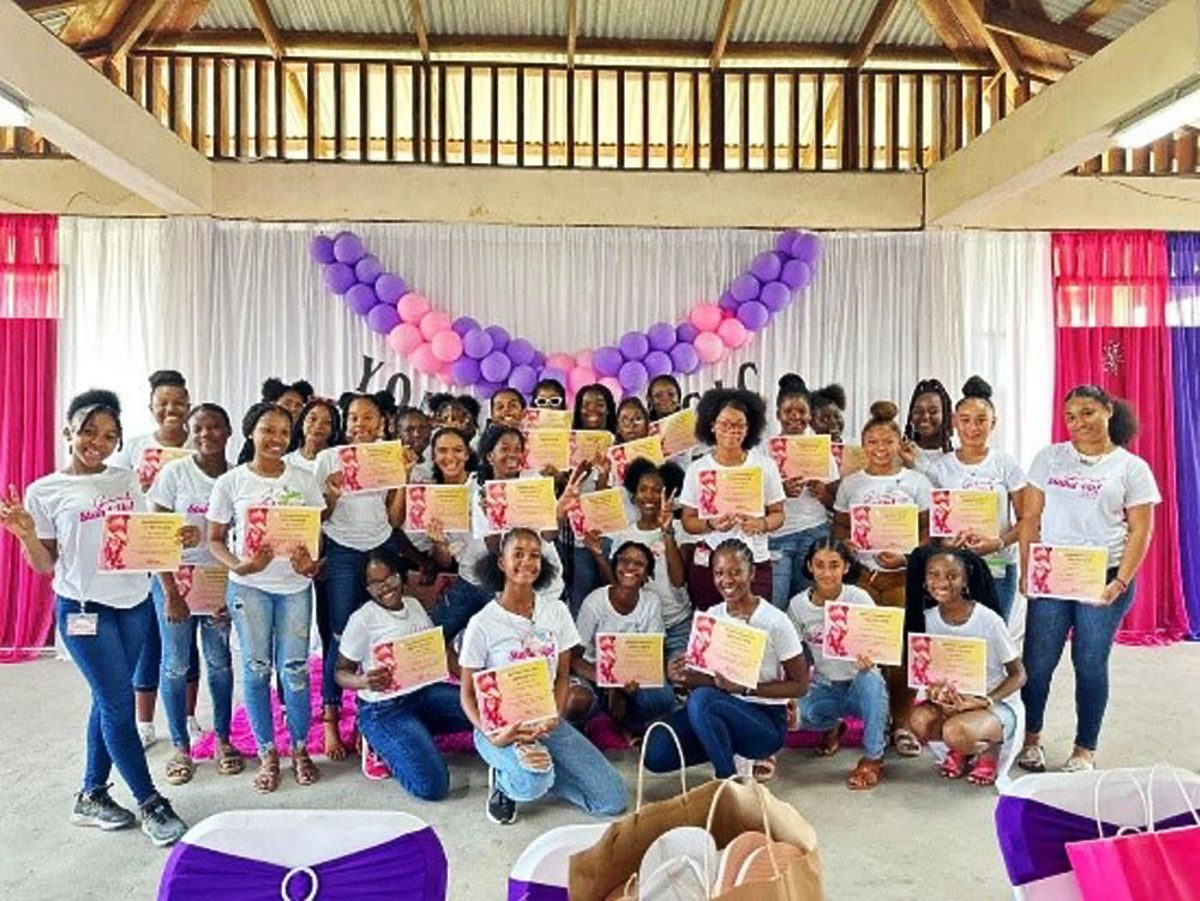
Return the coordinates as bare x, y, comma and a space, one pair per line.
500, 338
744, 287
685, 333
367, 270
661, 336
783, 243
339, 278
728, 302
766, 267
520, 352
539, 360
807, 248
523, 378
382, 318
390, 288
796, 275
361, 299
634, 345
684, 358
775, 296
633, 377
485, 389
496, 366
607, 361
477, 343
557, 375
657, 363
465, 371
321, 249
464, 324
348, 248
753, 314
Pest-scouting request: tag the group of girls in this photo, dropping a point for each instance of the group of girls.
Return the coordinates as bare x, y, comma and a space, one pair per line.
547, 595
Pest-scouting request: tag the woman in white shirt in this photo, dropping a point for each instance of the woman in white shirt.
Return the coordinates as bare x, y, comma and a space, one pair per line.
927, 428
1091, 492
103, 618
317, 426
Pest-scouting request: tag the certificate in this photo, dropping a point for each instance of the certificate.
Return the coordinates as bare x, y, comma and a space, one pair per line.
947, 660
447, 505
282, 529
802, 456
849, 457
141, 542
518, 693
545, 418
153, 459
588, 445
726, 646
730, 490
622, 455
547, 447
415, 661
202, 587
624, 657
600, 511
368, 467
676, 432
1070, 573
853, 630
884, 527
509, 503
955, 510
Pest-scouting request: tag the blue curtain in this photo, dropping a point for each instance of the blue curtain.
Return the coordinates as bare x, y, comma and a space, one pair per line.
1186, 352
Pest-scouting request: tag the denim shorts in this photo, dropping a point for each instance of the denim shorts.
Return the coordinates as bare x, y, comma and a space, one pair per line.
1007, 715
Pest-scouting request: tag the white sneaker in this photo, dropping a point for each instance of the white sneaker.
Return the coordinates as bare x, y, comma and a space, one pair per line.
195, 730
147, 734
743, 766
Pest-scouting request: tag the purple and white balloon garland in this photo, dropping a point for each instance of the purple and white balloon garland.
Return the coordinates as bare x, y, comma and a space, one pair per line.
463, 353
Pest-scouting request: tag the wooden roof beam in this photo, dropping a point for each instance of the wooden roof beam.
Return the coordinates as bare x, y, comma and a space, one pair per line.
418, 23
1017, 24
133, 24
267, 25
38, 7
872, 33
1094, 12
572, 30
729, 11
970, 14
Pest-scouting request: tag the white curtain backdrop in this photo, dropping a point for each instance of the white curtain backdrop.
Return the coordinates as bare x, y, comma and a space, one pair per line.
230, 303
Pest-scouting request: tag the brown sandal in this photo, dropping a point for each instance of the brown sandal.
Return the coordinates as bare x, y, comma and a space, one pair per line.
334, 748
765, 770
180, 768
831, 740
866, 774
304, 770
230, 761
267, 779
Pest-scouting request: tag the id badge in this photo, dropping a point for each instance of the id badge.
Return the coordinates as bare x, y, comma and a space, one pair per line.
82, 624
703, 554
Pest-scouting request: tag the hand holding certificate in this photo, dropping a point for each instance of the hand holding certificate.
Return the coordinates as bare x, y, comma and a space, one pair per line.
368, 467
726, 646
599, 511
622, 455
1069, 573
855, 630
629, 657
530, 503
730, 491
520, 693
802, 456
677, 432
447, 505
202, 588
884, 527
282, 529
414, 661
141, 542
946, 660
955, 511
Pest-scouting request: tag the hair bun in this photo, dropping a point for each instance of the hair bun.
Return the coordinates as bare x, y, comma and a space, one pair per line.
790, 383
975, 386
884, 410
835, 393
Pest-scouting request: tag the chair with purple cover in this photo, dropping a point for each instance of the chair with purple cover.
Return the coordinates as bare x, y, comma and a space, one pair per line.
540, 873
303, 855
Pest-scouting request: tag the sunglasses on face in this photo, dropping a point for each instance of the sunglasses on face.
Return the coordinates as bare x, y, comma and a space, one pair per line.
548, 403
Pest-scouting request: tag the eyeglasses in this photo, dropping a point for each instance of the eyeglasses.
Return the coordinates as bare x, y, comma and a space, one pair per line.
553, 402
379, 589
723, 426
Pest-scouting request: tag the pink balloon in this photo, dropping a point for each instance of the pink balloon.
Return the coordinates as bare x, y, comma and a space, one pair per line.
424, 360
733, 333
562, 361
433, 322
445, 374
584, 358
580, 376
405, 338
705, 316
412, 307
614, 386
446, 345
709, 347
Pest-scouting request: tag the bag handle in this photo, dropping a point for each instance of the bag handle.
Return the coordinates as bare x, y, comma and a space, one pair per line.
1147, 806
642, 761
1187, 801
761, 794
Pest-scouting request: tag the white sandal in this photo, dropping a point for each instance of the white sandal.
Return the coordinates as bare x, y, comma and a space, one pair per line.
1032, 759
1077, 764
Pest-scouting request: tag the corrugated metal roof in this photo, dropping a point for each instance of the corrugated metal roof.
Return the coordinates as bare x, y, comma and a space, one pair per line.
908, 27
227, 14
1112, 26
676, 20
353, 16
807, 21
540, 18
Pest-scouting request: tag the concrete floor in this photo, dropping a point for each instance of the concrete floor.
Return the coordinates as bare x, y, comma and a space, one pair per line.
915, 836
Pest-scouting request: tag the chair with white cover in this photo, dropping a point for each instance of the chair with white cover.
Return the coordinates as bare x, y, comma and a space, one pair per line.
542, 871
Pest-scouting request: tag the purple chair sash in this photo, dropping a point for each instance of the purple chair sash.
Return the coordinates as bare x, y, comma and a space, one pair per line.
409, 866
519, 890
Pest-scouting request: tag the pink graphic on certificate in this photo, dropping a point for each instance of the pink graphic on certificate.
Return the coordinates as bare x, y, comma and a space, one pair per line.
859, 630
413, 660
726, 646
948, 660
518, 693
625, 657
141, 542
1069, 573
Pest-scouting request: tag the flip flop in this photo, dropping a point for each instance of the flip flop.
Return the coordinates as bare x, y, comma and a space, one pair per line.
984, 772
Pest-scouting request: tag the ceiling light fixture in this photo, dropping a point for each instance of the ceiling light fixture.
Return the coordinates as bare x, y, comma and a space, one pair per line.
1174, 110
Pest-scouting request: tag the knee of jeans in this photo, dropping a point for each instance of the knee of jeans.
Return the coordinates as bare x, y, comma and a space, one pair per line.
872, 685
175, 670
529, 785
295, 674
612, 797
432, 783
258, 668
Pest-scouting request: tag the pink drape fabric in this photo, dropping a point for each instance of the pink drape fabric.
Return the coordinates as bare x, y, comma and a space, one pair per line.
1110, 278
28, 267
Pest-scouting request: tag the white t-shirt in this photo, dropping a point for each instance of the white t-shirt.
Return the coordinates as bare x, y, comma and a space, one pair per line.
996, 472
1086, 504
597, 614
809, 620
783, 643
474, 548
296, 458
773, 493
421, 474
182, 486
495, 637
373, 624
904, 487
986, 624
240, 488
925, 458
359, 520
70, 509
130, 453
805, 511
672, 599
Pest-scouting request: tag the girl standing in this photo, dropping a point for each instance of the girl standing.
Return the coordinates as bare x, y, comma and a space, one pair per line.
595, 410
507, 407
317, 426
455, 411
663, 396
291, 397
927, 429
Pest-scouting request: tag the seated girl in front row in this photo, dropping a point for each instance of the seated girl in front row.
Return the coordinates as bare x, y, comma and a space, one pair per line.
399, 727
969, 725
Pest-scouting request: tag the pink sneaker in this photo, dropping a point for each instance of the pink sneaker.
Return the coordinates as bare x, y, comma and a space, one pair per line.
374, 766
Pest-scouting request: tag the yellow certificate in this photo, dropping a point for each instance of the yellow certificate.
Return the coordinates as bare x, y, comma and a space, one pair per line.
649, 448
884, 527
849, 457
141, 542
730, 490
447, 505
802, 456
853, 630
368, 467
600, 511
947, 660
677, 432
415, 660
1070, 573
153, 459
517, 693
588, 445
956, 510
726, 646
545, 418
282, 529
624, 657
547, 447
202, 587
509, 503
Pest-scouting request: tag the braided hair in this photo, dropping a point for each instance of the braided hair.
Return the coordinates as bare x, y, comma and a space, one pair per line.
946, 430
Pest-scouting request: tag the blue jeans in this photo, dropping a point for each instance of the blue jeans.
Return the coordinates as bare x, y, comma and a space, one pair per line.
585, 575
642, 707
578, 772
107, 660
787, 559
273, 627
865, 696
149, 666
1006, 589
401, 731
676, 640
345, 591
1092, 629
178, 646
714, 726
459, 603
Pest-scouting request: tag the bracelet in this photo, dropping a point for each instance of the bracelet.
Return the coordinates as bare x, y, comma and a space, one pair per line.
1124, 585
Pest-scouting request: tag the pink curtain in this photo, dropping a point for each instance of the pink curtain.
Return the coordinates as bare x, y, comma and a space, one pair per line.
1110, 278
28, 267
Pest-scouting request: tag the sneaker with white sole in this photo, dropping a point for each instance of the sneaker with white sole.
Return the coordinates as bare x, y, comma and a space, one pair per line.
97, 808
161, 823
374, 766
501, 809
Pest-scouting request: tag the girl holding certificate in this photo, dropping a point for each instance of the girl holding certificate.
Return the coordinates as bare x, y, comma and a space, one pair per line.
633, 421
357, 521
456, 411
1087, 492
722, 718
270, 598
595, 410
523, 622
507, 407
317, 427
103, 619
291, 397
927, 429
828, 407
412, 426
185, 486
976, 467
663, 396
731, 421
